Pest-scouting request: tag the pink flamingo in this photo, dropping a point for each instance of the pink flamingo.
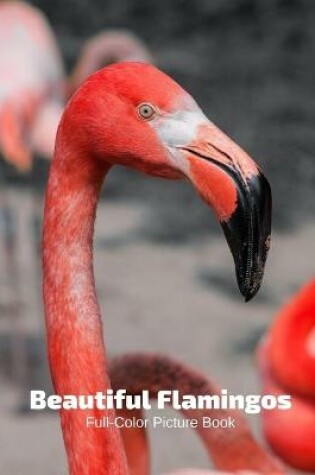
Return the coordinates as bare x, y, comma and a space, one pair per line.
231, 449
31, 84
286, 359
130, 114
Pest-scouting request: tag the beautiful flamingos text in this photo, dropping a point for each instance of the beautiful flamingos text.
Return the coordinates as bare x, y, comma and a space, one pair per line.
250, 404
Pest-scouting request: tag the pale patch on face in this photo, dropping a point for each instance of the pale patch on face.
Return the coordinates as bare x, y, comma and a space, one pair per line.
310, 343
177, 129
188, 126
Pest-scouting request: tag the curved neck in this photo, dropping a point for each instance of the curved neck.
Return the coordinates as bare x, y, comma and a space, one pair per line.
73, 321
230, 448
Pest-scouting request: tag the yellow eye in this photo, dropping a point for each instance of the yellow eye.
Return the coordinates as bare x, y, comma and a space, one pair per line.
146, 111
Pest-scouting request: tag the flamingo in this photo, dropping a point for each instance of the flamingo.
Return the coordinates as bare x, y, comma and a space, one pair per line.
110, 46
231, 449
31, 84
130, 114
286, 359
32, 92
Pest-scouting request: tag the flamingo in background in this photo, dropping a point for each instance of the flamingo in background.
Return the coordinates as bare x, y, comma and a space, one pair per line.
31, 84
231, 449
130, 114
286, 359
107, 47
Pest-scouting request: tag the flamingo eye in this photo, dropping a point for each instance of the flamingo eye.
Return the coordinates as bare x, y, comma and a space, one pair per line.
146, 111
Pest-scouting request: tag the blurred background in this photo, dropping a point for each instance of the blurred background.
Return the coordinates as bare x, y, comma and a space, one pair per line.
164, 274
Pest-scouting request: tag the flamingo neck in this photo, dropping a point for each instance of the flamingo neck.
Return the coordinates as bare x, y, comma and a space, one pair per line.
75, 344
230, 448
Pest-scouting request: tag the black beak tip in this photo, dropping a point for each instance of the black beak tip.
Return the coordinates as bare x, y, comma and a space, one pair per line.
248, 234
249, 287
250, 277
249, 293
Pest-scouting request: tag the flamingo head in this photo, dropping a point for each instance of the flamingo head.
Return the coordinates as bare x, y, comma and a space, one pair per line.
134, 115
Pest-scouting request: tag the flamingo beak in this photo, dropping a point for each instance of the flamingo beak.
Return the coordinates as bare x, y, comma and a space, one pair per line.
231, 183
